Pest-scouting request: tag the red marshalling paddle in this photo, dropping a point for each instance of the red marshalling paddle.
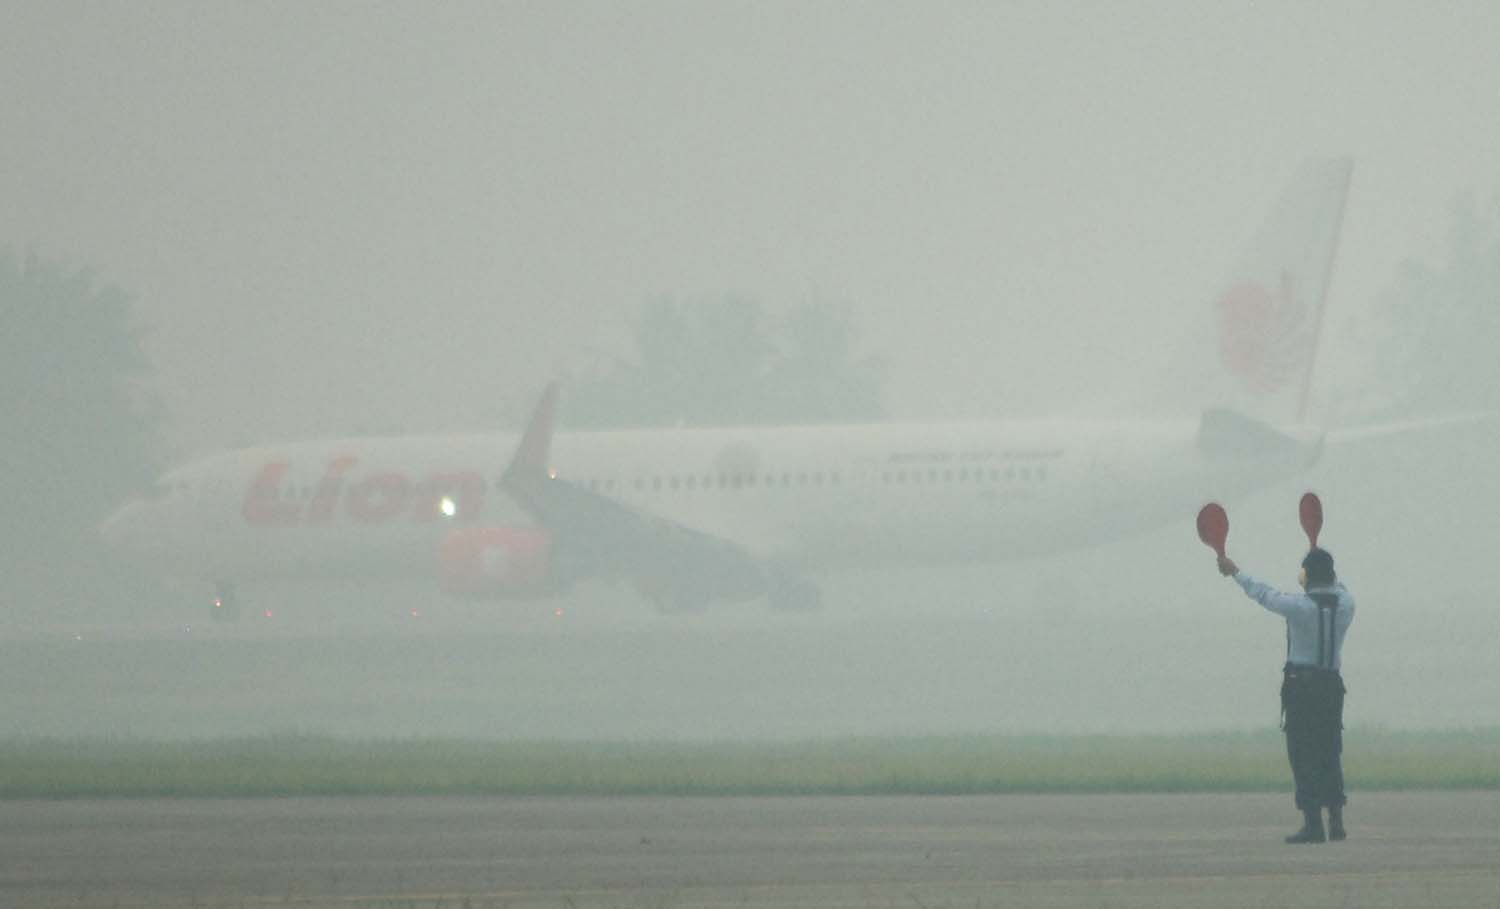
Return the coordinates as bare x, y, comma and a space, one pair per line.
1310, 512
1213, 526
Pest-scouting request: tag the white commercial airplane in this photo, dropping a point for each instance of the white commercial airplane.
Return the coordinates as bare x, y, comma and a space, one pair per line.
694, 516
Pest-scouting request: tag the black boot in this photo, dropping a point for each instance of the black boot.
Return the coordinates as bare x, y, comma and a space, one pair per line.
1312, 828
1336, 823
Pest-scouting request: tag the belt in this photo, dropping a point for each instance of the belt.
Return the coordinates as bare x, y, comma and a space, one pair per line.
1294, 669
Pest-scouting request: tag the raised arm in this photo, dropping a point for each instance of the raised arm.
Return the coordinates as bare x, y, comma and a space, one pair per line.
1268, 596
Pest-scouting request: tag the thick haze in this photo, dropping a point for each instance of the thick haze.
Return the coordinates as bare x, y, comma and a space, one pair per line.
339, 217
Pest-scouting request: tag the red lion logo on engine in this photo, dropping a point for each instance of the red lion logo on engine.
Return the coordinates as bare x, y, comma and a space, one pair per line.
1262, 336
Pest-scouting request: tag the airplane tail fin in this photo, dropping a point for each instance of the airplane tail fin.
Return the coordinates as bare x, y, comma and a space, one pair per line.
1255, 346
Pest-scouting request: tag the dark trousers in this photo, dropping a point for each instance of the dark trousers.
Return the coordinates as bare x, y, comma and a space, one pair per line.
1312, 702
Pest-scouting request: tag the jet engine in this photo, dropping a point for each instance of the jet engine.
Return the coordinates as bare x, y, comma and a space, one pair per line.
498, 562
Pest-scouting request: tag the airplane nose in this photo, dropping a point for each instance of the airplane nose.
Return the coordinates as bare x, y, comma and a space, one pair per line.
115, 529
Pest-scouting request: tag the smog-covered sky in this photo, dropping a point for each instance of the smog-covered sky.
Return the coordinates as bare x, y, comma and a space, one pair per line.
342, 216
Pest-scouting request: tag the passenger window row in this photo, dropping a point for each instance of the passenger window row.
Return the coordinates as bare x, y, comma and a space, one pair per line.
906, 477
931, 476
692, 482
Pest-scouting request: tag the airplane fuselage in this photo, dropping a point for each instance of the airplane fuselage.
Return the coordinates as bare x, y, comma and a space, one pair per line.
803, 496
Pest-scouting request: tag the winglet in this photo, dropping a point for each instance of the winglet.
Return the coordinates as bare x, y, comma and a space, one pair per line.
532, 453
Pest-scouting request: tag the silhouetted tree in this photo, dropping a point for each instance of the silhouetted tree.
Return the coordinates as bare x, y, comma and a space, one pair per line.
820, 375
726, 362
80, 430
1441, 350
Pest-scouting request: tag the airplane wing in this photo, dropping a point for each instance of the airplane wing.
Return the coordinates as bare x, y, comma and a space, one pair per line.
1225, 433
1383, 430
598, 537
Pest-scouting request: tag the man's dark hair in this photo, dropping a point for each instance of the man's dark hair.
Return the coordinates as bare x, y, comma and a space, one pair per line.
1319, 566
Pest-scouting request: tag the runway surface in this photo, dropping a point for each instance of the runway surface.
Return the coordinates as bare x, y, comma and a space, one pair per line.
1406, 849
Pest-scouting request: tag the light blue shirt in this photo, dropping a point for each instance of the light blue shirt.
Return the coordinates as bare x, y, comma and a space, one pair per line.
1307, 625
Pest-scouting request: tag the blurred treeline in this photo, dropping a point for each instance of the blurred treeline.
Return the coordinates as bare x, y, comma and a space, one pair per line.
732, 362
82, 428
81, 431
1437, 325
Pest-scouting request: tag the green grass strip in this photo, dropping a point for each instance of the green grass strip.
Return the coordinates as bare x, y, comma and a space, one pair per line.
303, 765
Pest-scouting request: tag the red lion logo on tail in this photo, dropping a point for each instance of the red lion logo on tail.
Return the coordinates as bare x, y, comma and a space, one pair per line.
1262, 334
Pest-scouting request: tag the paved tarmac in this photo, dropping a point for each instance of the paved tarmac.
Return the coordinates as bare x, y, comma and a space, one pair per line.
1406, 849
